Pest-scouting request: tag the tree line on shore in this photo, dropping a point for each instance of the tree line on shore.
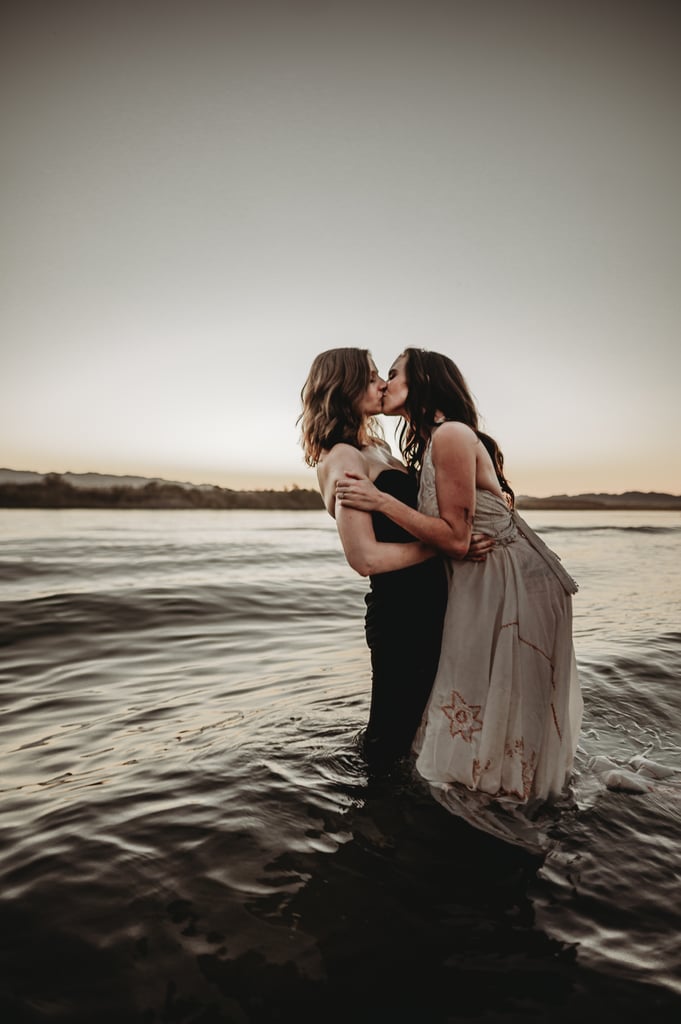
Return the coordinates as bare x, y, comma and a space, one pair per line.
54, 492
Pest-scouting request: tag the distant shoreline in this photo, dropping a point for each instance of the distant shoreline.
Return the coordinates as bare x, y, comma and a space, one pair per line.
610, 503
53, 491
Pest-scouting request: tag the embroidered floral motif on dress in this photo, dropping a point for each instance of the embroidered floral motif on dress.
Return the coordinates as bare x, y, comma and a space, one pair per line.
518, 747
463, 718
477, 770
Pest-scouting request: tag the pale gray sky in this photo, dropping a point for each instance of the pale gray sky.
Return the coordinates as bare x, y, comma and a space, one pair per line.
198, 197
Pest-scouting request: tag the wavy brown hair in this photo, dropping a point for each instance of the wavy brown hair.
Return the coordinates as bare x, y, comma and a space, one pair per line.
337, 380
435, 384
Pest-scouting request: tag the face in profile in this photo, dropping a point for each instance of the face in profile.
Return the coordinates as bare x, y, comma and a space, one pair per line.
396, 389
370, 404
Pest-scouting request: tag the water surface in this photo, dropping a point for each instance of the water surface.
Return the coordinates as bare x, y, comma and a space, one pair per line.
188, 832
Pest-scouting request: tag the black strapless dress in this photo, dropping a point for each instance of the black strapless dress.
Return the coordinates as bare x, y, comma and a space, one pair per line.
405, 612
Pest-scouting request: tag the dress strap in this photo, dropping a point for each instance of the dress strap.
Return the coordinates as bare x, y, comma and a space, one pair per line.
550, 557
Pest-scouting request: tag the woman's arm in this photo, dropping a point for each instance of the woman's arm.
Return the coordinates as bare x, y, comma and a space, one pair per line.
368, 556
454, 458
363, 552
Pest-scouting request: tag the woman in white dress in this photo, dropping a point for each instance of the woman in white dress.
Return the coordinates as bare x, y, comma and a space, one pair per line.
505, 710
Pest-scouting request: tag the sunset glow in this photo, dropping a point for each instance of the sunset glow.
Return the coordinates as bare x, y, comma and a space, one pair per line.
196, 204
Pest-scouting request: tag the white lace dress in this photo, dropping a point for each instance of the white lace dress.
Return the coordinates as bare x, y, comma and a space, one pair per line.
504, 714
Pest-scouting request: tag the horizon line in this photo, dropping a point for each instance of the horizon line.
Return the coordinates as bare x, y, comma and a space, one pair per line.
295, 486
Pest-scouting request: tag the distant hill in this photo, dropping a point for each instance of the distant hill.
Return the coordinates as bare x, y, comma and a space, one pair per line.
26, 489
93, 490
632, 500
22, 476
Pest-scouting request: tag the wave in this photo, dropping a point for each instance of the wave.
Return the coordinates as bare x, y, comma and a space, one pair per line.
185, 809
164, 608
168, 565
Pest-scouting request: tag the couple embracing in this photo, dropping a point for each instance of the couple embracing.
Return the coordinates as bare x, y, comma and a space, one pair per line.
469, 614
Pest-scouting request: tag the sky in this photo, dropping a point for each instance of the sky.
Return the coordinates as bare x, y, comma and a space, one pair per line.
196, 198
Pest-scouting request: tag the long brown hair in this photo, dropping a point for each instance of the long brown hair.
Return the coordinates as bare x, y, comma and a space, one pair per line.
337, 380
435, 384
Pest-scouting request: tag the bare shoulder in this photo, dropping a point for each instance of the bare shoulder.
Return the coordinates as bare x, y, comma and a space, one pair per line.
341, 459
453, 435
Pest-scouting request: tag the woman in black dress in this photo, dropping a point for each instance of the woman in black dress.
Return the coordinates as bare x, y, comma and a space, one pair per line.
408, 588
